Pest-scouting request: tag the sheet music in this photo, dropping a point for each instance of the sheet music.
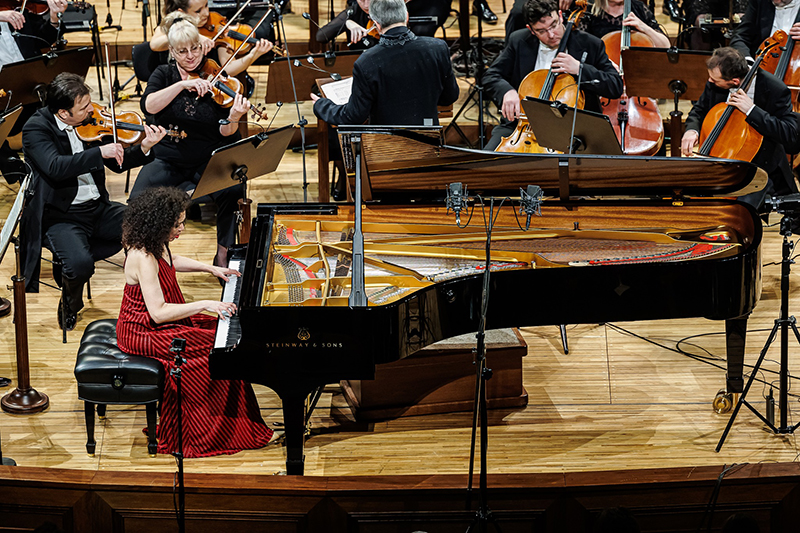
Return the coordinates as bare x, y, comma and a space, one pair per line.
338, 91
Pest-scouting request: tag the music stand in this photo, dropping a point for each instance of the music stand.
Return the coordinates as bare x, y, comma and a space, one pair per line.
666, 73
552, 125
26, 81
241, 161
7, 121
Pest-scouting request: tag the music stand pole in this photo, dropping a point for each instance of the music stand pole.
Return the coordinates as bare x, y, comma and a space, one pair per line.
24, 399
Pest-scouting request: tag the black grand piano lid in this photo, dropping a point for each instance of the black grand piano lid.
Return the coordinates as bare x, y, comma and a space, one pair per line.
414, 162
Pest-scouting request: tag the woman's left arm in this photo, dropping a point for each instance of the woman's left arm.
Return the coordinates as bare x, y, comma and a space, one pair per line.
184, 264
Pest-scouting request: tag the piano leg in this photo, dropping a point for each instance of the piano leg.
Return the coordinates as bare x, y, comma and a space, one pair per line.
735, 333
294, 423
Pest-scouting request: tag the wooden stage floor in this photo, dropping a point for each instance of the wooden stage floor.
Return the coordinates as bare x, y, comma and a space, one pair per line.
622, 399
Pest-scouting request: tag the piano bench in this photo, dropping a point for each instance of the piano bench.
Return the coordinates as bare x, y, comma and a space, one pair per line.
106, 375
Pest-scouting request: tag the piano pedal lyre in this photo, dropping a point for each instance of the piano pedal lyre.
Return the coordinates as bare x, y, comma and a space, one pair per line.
724, 401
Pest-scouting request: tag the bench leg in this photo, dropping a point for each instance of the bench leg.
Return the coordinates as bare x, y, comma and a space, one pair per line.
88, 411
101, 410
152, 445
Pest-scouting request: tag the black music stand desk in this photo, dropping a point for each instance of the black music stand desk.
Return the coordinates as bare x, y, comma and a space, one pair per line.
666, 73
26, 81
552, 125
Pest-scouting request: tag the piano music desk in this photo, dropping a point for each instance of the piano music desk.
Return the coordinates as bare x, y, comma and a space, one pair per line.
441, 379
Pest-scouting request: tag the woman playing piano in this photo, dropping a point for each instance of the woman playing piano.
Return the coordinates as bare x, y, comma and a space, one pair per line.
176, 96
220, 417
199, 13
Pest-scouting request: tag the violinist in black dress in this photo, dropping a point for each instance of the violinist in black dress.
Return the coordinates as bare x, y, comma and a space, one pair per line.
175, 96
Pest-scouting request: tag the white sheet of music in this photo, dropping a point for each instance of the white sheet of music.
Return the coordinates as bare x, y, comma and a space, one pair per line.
338, 91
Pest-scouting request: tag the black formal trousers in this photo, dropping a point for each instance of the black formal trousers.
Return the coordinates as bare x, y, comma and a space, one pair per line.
85, 233
162, 173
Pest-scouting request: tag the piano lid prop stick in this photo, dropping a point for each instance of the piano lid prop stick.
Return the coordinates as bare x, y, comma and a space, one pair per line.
358, 295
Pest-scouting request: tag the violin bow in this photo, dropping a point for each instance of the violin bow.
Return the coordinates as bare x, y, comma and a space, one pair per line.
111, 97
244, 42
222, 31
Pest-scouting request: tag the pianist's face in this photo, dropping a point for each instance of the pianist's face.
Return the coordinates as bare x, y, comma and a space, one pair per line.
178, 227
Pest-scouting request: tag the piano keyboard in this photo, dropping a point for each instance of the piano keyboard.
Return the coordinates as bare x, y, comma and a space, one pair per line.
230, 331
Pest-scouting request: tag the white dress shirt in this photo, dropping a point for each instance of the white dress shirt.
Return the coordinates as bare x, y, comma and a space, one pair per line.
87, 189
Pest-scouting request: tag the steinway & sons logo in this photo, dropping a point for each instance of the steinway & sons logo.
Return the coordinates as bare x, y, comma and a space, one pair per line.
304, 336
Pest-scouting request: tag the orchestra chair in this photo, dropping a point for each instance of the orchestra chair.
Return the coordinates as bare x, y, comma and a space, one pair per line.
108, 376
101, 251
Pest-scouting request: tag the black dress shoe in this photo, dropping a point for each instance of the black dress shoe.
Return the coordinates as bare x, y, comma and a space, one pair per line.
66, 321
482, 10
671, 8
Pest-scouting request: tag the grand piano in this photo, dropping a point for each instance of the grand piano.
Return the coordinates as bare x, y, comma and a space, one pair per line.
618, 239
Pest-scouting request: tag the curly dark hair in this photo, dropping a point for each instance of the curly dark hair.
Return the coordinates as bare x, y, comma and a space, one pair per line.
150, 217
535, 10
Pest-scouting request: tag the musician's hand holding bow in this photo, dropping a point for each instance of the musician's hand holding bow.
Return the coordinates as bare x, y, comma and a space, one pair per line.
113, 151
15, 19
262, 47
741, 101
510, 107
565, 63
357, 32
206, 44
197, 85
688, 142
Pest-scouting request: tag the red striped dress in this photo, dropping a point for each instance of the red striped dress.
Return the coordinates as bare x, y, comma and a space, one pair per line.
220, 417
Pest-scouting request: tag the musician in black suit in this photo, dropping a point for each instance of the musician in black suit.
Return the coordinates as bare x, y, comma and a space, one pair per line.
401, 81
534, 48
34, 32
763, 18
768, 107
70, 207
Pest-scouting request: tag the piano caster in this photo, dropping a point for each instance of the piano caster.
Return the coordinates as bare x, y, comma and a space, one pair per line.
723, 402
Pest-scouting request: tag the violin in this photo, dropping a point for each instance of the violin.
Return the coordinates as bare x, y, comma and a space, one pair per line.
223, 88
549, 86
725, 132
636, 121
35, 7
129, 125
223, 33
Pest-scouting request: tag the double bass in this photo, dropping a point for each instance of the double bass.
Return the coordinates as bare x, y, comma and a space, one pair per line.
547, 85
725, 132
636, 121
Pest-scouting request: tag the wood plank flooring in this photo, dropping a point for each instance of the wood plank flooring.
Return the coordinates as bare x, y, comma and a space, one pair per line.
616, 401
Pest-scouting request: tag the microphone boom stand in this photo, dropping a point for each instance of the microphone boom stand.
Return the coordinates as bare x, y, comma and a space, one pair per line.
301, 121
177, 348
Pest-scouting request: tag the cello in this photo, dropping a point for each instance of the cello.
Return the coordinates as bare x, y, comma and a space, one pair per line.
784, 63
636, 121
725, 132
548, 86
